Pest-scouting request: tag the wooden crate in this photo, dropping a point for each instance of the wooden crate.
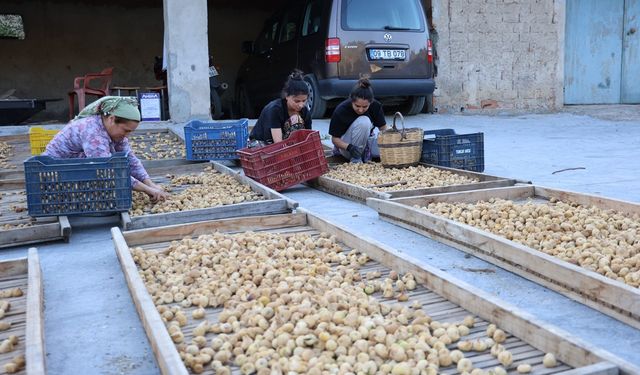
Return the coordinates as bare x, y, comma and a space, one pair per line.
606, 295
274, 203
26, 312
442, 296
361, 193
39, 230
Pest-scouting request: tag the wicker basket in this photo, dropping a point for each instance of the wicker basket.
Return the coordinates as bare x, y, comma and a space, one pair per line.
400, 148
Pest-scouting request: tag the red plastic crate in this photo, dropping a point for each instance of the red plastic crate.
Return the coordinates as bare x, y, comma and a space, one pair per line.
297, 159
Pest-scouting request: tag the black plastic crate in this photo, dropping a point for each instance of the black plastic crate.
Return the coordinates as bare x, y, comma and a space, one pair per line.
445, 148
77, 186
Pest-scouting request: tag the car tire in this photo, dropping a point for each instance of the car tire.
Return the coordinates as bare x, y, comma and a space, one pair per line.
317, 105
414, 105
428, 104
245, 108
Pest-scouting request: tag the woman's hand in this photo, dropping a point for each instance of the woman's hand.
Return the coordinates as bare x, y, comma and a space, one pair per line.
157, 194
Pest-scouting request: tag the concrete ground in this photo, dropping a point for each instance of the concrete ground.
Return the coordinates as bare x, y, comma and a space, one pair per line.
91, 325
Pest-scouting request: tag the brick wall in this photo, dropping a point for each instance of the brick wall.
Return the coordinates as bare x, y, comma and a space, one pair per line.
499, 54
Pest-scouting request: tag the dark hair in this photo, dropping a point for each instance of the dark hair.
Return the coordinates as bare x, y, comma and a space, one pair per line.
362, 90
295, 84
122, 120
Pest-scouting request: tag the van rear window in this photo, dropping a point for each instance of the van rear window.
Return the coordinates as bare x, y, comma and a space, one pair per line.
382, 15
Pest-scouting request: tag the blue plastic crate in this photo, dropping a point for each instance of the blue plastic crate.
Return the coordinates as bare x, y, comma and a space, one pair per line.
215, 140
448, 149
77, 186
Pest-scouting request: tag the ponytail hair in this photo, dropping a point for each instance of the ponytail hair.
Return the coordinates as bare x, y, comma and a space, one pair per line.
362, 90
295, 84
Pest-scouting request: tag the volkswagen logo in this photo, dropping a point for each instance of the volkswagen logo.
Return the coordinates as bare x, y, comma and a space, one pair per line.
387, 37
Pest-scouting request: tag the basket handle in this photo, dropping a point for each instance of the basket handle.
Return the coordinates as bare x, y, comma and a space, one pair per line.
402, 132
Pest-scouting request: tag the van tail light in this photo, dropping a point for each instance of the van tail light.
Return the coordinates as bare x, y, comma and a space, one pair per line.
429, 51
332, 50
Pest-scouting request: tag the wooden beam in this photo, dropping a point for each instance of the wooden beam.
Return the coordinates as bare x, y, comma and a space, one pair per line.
346, 189
472, 196
600, 368
15, 138
13, 267
165, 352
28, 235
537, 333
177, 167
176, 232
65, 228
589, 200
452, 188
34, 336
264, 207
15, 175
12, 183
125, 220
151, 165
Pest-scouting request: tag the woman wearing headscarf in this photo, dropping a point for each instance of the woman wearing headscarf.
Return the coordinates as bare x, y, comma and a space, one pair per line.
101, 129
284, 115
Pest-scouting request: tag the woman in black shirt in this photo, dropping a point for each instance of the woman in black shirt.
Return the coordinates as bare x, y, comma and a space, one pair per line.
353, 120
281, 117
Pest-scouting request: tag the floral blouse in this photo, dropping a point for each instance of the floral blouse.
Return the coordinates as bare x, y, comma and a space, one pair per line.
88, 138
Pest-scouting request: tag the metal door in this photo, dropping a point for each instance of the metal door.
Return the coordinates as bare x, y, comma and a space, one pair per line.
602, 52
631, 52
593, 51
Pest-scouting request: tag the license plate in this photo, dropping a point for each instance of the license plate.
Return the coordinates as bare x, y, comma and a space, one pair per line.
387, 54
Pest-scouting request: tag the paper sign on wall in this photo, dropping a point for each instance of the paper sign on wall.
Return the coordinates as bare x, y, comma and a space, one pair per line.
150, 109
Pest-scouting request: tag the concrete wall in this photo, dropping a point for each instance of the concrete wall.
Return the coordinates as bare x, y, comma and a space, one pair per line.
66, 38
499, 54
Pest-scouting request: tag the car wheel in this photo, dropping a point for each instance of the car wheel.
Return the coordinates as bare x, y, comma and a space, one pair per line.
244, 103
428, 104
414, 105
317, 105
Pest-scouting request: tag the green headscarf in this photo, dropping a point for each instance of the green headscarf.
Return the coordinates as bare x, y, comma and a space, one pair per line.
118, 106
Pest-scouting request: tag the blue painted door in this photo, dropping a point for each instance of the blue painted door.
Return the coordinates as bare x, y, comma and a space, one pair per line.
593, 51
631, 52
602, 52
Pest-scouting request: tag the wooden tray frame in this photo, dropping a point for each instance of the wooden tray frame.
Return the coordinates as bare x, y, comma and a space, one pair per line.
275, 203
14, 178
34, 314
569, 349
44, 230
360, 194
606, 295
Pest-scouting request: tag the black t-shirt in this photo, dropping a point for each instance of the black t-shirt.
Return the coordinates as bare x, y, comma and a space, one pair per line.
344, 115
275, 116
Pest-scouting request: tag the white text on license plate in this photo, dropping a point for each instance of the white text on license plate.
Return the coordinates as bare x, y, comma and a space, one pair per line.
387, 54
